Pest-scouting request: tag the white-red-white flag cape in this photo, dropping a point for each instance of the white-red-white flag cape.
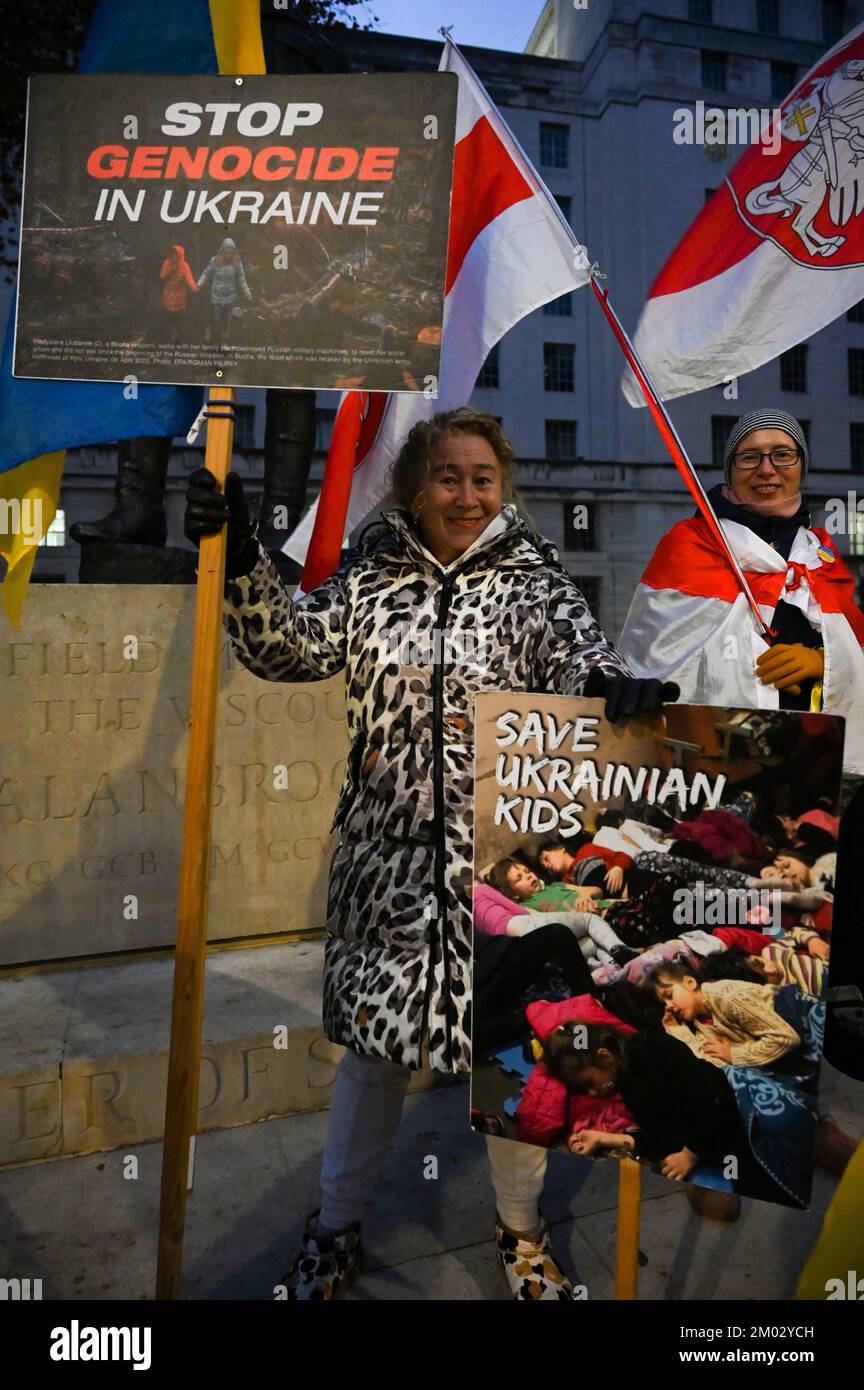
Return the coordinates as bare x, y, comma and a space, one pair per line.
689, 621
778, 251
510, 251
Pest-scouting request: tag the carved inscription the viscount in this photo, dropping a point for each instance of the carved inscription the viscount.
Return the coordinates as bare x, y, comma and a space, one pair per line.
92, 782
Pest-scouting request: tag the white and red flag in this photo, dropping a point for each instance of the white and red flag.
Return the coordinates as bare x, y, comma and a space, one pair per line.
778, 251
510, 251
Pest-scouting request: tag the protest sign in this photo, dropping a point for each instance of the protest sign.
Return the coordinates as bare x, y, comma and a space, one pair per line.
652, 919
258, 231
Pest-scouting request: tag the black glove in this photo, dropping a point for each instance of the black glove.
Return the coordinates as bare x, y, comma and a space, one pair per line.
208, 509
626, 696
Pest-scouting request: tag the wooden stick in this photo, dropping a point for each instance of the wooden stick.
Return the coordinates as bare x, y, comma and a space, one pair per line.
627, 1243
187, 1009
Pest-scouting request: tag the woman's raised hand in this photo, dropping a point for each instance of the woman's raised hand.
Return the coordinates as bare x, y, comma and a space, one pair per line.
208, 510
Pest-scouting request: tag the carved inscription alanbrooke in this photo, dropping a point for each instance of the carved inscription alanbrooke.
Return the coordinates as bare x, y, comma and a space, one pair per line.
92, 773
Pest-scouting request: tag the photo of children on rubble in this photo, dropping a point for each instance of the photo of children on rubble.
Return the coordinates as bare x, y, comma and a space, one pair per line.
295, 238
652, 928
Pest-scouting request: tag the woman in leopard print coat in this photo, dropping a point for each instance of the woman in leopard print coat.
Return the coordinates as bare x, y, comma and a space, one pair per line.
449, 596
417, 641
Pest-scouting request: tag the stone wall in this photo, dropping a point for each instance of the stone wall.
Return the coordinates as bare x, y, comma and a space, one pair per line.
92, 770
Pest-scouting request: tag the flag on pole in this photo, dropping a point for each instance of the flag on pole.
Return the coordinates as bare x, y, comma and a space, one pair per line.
680, 457
510, 251
778, 251
40, 419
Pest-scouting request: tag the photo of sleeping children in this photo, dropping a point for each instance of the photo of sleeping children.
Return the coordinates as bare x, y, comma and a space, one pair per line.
652, 929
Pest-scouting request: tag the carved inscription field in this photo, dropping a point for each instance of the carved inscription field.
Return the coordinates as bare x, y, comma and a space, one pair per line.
92, 779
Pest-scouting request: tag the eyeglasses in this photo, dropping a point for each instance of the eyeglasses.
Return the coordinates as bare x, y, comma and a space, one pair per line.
751, 458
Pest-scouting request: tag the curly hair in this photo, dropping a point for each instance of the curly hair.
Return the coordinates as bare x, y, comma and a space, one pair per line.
412, 469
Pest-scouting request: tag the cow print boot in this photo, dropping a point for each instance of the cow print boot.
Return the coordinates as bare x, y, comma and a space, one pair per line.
529, 1265
326, 1265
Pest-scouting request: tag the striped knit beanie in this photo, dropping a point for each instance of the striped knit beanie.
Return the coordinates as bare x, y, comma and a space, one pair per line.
765, 420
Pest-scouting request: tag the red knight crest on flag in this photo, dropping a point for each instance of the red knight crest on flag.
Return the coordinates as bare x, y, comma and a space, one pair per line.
739, 289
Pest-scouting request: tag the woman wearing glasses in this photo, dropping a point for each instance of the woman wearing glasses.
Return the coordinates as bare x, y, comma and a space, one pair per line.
690, 622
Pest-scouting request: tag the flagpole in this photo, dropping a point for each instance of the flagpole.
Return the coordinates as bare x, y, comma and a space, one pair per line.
187, 1008
627, 1233
672, 439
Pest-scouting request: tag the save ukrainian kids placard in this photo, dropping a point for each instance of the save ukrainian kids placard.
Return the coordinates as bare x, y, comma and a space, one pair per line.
652, 925
256, 231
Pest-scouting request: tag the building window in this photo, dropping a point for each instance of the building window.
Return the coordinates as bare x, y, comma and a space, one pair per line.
562, 307
244, 426
56, 533
767, 17
793, 369
589, 585
783, 77
324, 422
489, 378
856, 446
721, 428
561, 440
580, 532
565, 203
856, 371
856, 533
833, 27
856, 313
554, 145
701, 11
558, 367
713, 71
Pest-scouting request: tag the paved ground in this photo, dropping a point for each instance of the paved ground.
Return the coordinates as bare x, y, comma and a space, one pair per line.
89, 1231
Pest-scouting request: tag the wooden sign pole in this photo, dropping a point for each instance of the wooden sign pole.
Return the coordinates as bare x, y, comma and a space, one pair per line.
187, 1009
627, 1242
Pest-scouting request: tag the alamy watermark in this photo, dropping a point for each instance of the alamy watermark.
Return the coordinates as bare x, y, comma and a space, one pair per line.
411, 647
21, 517
849, 1288
736, 125
77, 1343
726, 907
841, 513
20, 1290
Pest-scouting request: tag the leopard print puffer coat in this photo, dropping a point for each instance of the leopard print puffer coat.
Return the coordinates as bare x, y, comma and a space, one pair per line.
417, 641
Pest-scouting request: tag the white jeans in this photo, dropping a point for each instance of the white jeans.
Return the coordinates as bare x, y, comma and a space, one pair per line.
596, 939
364, 1116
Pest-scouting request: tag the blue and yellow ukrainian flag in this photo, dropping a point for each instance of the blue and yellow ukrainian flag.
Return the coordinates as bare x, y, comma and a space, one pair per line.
39, 419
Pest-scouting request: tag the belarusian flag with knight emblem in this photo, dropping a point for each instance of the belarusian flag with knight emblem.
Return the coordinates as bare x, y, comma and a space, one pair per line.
778, 251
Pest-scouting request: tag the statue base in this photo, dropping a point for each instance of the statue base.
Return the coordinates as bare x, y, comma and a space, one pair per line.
124, 562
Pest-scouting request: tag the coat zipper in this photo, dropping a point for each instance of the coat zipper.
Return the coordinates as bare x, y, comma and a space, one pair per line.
438, 818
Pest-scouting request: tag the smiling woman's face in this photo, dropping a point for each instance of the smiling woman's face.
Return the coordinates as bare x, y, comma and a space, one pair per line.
463, 495
765, 487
